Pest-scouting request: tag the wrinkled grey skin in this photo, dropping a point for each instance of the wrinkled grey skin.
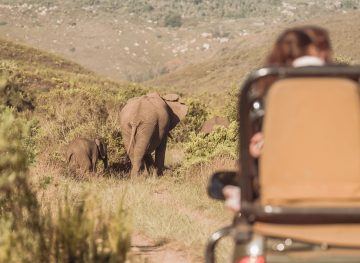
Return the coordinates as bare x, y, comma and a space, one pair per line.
210, 125
84, 153
145, 123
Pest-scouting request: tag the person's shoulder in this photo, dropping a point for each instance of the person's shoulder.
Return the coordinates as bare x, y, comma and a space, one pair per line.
305, 61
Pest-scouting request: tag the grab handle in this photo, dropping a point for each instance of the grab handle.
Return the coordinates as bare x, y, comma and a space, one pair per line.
213, 240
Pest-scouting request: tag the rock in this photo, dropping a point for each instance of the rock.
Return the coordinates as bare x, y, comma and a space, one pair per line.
206, 35
206, 46
223, 40
210, 125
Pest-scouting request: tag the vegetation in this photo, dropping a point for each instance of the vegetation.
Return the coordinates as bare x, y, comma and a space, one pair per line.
86, 219
28, 233
196, 116
173, 20
202, 148
344, 60
350, 4
13, 95
159, 10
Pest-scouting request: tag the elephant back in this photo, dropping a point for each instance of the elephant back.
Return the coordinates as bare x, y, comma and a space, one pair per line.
148, 108
158, 106
157, 101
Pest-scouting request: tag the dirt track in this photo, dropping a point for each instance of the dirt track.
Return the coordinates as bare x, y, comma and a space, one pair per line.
151, 252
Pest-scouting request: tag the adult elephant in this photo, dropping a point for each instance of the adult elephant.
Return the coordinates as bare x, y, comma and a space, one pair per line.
145, 123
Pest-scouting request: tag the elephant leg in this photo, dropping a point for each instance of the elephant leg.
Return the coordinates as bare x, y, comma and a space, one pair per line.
136, 166
149, 163
93, 163
85, 165
160, 156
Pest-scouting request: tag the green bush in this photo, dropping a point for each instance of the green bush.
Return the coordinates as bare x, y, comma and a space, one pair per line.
69, 113
203, 148
350, 4
75, 234
13, 95
343, 60
196, 116
173, 20
89, 112
132, 90
29, 134
20, 235
231, 108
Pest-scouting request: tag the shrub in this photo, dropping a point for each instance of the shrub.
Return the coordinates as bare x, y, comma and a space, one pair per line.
203, 148
147, 7
88, 112
231, 108
30, 129
350, 4
343, 60
69, 113
19, 214
75, 234
133, 90
196, 116
13, 95
173, 20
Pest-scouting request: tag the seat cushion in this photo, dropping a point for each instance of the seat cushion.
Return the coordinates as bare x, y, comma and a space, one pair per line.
312, 142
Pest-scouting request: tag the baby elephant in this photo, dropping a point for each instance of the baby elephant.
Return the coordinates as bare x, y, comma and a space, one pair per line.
84, 153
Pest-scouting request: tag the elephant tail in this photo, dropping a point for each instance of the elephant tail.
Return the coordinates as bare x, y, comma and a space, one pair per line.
69, 155
134, 126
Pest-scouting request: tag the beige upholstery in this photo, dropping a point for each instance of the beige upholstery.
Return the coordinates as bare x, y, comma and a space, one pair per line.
312, 142
311, 154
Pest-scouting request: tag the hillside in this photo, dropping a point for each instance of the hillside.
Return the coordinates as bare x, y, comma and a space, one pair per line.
38, 71
145, 39
229, 66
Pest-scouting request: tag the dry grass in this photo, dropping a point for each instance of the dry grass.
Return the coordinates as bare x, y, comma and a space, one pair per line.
172, 210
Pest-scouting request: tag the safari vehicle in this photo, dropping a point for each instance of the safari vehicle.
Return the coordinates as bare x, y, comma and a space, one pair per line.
303, 203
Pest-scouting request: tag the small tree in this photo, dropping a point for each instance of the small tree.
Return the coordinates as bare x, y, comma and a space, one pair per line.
173, 20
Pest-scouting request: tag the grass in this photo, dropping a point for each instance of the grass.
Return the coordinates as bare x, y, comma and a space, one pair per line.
173, 210
61, 231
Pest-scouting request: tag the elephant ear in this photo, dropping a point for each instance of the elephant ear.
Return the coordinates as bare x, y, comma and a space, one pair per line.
101, 148
179, 111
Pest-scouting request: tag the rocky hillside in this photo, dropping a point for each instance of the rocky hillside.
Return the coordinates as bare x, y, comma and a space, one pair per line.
145, 39
230, 65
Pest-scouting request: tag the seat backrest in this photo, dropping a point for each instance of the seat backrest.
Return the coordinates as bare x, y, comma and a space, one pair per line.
312, 142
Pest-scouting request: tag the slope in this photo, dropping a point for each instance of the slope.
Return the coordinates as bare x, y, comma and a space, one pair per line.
230, 65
